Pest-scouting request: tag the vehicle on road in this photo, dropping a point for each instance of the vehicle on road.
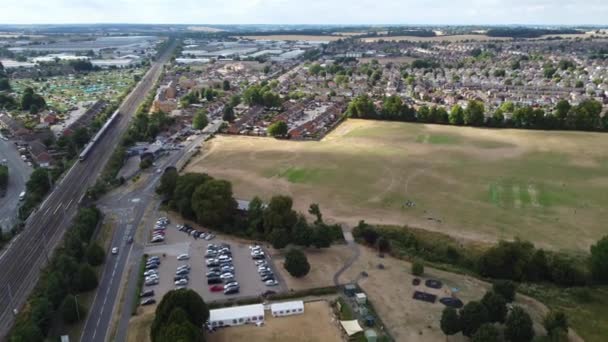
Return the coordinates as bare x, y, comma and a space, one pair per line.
130, 239
114, 250
22, 196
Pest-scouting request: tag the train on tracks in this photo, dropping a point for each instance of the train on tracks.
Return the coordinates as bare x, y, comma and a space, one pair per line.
87, 150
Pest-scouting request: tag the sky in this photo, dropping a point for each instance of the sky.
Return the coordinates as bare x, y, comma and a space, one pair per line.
435, 12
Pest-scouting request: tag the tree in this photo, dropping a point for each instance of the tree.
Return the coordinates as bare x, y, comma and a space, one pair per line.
302, 233
26, 331
296, 263
95, 254
555, 322
228, 114
384, 245
71, 310
456, 115
41, 313
168, 182
235, 100
496, 306
195, 309
519, 326
3, 177
213, 204
486, 333
184, 188
279, 214
417, 268
316, 211
86, 278
599, 260
361, 107
226, 85
320, 237
450, 322
29, 99
200, 120
278, 129
504, 288
474, 114
472, 316
562, 108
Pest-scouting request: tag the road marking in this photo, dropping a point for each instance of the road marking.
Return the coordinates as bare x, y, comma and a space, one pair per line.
69, 203
59, 206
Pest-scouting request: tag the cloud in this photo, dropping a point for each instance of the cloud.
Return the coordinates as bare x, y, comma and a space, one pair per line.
306, 12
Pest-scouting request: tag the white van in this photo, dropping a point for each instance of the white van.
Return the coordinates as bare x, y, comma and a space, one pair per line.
22, 196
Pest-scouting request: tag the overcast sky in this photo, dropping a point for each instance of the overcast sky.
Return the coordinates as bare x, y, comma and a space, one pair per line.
564, 12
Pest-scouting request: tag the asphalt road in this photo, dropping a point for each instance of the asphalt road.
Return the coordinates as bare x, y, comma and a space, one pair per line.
128, 208
29, 252
18, 174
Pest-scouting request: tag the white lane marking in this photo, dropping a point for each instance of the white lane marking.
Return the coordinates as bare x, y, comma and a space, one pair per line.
59, 206
69, 203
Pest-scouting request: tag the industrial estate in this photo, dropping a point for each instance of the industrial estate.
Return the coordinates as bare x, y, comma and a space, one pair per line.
303, 183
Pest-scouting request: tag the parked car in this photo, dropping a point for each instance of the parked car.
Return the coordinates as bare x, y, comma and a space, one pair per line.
227, 275
209, 237
216, 280
271, 282
183, 257
151, 282
147, 293
148, 301
151, 267
231, 283
268, 277
216, 288
227, 268
181, 282
231, 290
184, 267
157, 239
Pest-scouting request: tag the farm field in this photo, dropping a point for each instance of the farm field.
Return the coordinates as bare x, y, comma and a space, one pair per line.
480, 184
64, 92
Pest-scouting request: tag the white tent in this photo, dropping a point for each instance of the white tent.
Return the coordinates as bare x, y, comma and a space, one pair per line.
236, 315
351, 327
287, 308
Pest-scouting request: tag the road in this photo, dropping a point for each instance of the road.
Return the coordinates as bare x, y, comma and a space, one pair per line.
29, 252
128, 208
19, 173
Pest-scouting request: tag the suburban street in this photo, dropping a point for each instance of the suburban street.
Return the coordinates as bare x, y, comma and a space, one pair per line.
127, 207
19, 173
30, 251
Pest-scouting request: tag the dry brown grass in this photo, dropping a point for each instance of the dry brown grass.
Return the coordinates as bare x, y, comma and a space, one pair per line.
548, 187
290, 37
324, 263
390, 292
139, 327
316, 324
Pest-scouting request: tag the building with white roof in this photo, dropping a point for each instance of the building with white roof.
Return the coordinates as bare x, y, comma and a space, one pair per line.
287, 308
236, 315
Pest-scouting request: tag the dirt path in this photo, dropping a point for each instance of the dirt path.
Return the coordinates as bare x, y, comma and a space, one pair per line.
348, 236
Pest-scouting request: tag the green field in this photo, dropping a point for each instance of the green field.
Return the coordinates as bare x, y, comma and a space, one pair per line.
547, 187
64, 92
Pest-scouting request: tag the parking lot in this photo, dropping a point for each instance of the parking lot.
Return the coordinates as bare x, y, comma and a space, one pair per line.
224, 252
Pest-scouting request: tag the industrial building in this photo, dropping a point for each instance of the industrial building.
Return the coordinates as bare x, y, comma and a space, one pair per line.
236, 315
287, 308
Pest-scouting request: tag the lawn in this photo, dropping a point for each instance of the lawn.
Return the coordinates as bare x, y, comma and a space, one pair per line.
482, 184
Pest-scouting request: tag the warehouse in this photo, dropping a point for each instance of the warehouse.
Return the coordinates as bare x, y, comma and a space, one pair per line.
287, 308
236, 315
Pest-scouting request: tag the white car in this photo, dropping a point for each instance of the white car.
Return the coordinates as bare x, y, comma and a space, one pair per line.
150, 272
209, 237
181, 282
114, 250
183, 257
227, 275
271, 282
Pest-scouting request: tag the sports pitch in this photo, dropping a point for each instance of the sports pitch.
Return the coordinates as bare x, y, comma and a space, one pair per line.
482, 184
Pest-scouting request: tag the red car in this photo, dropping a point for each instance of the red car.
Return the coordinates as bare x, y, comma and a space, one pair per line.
216, 288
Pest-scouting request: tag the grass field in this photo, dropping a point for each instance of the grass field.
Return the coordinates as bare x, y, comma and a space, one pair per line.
482, 184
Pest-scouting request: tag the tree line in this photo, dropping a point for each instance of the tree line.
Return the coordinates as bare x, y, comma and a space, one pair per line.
516, 260
586, 116
210, 202
69, 273
179, 316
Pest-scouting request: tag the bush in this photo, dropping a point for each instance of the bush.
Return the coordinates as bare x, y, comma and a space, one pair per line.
472, 316
505, 288
417, 268
296, 263
194, 313
554, 322
599, 260
486, 333
95, 255
86, 278
496, 306
71, 311
519, 326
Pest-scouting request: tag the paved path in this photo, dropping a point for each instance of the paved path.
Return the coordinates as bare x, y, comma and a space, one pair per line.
348, 236
18, 174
